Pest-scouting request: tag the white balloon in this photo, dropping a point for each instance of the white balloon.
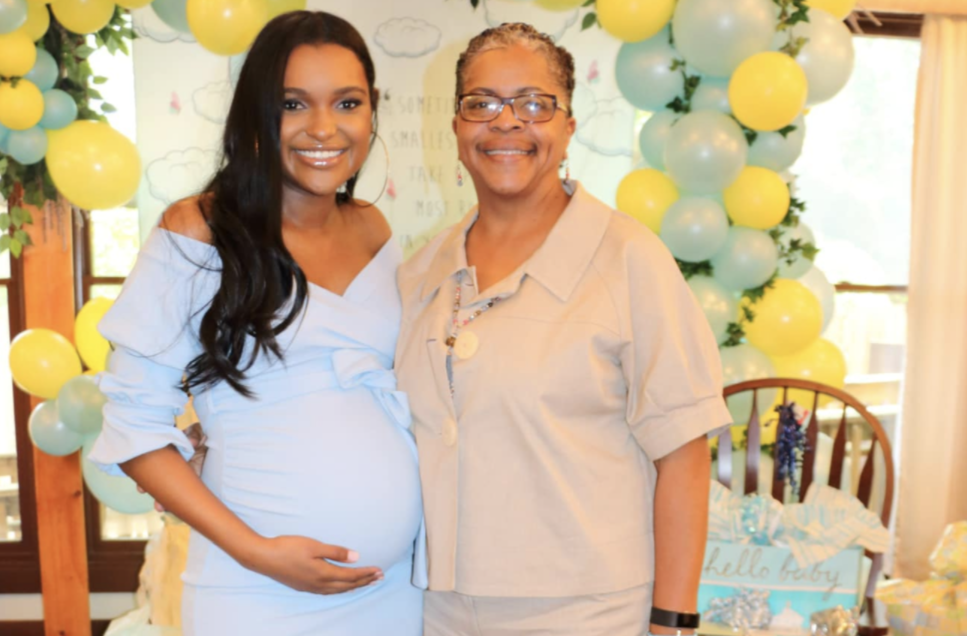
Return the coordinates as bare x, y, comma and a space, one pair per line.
827, 56
815, 281
799, 265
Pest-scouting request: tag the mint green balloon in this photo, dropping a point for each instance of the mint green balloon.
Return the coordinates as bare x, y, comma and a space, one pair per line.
816, 282
644, 72
747, 259
80, 402
60, 110
717, 303
705, 152
798, 265
712, 94
117, 493
13, 14
174, 13
4, 138
694, 228
27, 147
49, 434
776, 151
741, 363
45, 72
715, 36
654, 134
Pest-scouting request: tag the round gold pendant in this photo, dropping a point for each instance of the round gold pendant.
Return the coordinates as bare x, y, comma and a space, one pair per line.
466, 345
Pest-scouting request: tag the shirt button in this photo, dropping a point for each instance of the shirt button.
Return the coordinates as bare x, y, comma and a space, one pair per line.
450, 433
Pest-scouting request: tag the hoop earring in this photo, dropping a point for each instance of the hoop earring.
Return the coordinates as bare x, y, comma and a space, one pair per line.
459, 174
385, 178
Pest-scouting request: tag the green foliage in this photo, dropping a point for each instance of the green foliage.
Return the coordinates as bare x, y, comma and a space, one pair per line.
702, 268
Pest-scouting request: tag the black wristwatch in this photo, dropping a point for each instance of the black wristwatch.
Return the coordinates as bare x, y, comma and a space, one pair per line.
675, 620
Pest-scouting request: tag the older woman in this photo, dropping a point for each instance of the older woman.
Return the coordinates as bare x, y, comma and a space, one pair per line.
562, 381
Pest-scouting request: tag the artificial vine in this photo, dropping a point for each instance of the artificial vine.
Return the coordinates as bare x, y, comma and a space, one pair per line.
71, 52
792, 12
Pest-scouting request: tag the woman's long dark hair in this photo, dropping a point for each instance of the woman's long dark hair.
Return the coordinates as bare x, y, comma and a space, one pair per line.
242, 206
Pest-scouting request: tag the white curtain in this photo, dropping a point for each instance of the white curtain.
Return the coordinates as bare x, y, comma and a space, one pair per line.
933, 483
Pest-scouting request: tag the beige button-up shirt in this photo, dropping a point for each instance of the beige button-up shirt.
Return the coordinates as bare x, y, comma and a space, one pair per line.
538, 472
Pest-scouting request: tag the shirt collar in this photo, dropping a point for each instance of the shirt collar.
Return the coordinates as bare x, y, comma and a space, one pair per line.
558, 264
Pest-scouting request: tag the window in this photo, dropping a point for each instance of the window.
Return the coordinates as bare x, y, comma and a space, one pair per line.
19, 563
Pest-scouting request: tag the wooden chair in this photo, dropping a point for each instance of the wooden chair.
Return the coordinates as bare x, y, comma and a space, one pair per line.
862, 488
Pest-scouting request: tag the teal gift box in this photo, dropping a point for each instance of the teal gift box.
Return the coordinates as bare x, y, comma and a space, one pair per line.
794, 592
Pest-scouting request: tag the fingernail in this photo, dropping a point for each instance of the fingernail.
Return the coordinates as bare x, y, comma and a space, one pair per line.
376, 582
353, 556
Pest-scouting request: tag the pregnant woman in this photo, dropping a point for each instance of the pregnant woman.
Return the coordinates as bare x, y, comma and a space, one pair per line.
272, 298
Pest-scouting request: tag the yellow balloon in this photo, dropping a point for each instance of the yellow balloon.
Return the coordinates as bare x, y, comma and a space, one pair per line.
38, 21
41, 361
21, 107
93, 347
133, 4
839, 9
821, 361
767, 91
759, 198
93, 165
645, 195
559, 5
278, 7
227, 27
17, 54
83, 16
788, 318
634, 20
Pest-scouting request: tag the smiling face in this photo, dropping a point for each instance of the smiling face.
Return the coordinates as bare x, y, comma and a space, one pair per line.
327, 119
507, 157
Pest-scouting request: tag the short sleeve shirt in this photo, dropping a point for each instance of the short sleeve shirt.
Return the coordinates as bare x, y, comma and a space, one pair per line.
538, 469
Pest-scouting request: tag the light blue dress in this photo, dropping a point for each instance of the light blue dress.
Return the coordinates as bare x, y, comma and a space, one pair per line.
323, 451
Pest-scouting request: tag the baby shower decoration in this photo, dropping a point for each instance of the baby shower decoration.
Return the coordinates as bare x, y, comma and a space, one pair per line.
729, 84
46, 365
54, 137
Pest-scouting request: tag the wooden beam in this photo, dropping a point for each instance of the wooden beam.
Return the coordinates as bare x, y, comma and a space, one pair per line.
49, 301
939, 7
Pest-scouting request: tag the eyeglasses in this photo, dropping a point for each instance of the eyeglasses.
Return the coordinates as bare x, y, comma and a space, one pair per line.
530, 109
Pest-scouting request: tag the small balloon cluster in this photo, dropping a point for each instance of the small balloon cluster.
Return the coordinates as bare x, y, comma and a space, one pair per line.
224, 27
46, 365
90, 164
728, 83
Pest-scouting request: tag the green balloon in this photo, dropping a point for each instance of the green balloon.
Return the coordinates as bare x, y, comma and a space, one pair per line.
49, 434
117, 493
79, 403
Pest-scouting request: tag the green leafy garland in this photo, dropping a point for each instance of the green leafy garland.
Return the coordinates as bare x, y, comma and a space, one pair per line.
32, 185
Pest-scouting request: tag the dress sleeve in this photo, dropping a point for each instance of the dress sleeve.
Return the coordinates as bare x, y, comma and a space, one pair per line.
153, 328
671, 362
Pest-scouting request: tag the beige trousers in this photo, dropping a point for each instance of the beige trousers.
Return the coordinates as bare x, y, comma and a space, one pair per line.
623, 613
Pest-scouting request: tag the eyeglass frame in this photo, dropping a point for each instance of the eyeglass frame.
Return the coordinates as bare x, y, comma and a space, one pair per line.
509, 101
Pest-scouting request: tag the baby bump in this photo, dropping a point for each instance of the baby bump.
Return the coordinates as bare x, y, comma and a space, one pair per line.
332, 466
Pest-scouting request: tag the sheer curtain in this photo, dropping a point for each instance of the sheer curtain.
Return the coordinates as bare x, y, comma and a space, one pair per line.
933, 482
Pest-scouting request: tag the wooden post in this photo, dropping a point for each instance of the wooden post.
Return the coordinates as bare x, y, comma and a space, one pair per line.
49, 302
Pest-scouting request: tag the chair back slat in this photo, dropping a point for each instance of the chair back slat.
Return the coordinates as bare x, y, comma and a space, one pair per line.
809, 457
725, 458
839, 453
866, 477
753, 447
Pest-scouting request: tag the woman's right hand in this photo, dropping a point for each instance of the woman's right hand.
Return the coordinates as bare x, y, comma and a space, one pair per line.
304, 564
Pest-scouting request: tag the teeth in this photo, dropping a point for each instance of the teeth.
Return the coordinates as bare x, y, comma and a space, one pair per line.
507, 152
320, 154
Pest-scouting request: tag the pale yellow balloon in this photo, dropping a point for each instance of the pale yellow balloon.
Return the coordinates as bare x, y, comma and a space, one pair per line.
17, 54
21, 107
839, 9
278, 7
634, 20
93, 165
83, 16
822, 361
646, 195
768, 91
559, 5
38, 21
133, 4
759, 198
93, 347
227, 27
788, 318
41, 361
